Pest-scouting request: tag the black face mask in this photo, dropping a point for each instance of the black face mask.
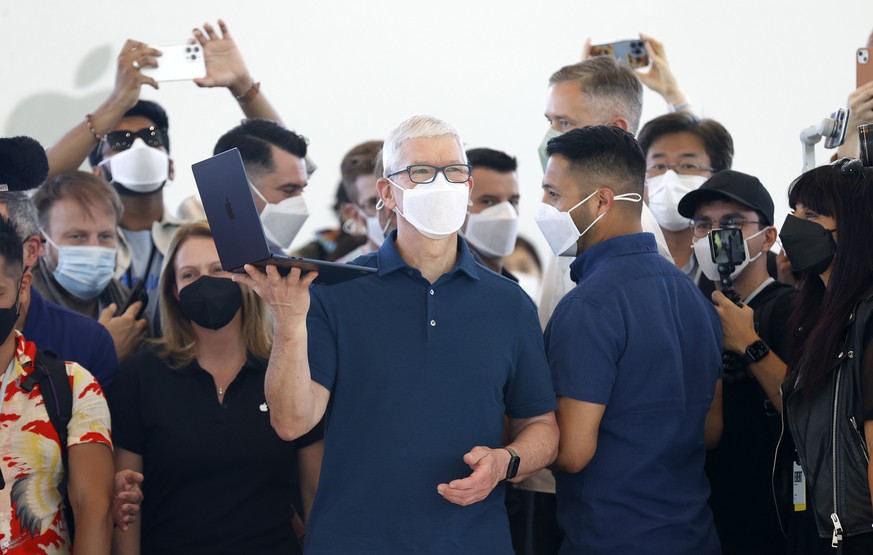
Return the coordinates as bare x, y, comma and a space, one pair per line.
211, 302
809, 246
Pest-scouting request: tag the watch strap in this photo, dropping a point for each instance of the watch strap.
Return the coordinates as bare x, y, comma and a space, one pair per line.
514, 463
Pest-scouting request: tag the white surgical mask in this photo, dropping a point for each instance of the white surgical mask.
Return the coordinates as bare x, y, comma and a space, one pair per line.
141, 168
541, 150
282, 220
436, 209
703, 254
83, 271
493, 231
559, 229
375, 230
665, 192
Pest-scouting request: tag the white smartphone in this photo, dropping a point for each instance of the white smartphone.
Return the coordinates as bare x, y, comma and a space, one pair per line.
180, 62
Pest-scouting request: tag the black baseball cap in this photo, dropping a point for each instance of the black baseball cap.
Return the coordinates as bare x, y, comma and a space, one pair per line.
23, 164
730, 185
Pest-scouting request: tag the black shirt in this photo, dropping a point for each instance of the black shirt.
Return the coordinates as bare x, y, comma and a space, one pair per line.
739, 468
217, 477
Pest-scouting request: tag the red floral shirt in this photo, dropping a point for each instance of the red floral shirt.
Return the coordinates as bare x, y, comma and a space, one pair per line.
31, 507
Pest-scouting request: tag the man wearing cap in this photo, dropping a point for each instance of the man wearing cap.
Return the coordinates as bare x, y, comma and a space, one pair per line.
739, 468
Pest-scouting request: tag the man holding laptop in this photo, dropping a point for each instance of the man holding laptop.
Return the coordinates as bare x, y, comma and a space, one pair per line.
418, 414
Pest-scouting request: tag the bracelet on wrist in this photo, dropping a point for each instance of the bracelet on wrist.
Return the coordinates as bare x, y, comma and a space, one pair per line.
679, 106
247, 96
90, 127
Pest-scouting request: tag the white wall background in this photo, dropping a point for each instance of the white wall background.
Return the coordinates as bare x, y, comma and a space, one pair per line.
344, 71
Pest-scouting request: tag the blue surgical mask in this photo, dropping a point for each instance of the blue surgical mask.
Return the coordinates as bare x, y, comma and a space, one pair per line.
83, 271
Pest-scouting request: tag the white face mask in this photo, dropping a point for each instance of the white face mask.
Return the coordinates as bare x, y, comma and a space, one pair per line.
375, 230
282, 220
436, 209
665, 192
559, 229
141, 168
83, 271
493, 231
703, 254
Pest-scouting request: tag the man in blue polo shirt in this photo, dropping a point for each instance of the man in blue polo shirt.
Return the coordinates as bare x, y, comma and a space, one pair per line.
420, 362
635, 355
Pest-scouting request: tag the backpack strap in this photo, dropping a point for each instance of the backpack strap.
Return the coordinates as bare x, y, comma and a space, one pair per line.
57, 394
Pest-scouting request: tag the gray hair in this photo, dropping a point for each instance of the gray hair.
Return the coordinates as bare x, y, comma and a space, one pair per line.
22, 213
415, 127
612, 89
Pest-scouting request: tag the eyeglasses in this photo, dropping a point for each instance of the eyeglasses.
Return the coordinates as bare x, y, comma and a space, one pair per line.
702, 226
425, 173
683, 168
122, 140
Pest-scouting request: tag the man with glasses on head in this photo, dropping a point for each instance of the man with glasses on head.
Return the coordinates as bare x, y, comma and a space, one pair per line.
126, 140
739, 468
418, 414
682, 151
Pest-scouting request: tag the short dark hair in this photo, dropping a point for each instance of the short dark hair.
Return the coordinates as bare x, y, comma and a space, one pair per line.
607, 155
253, 137
717, 142
492, 160
360, 160
83, 188
11, 250
614, 89
147, 109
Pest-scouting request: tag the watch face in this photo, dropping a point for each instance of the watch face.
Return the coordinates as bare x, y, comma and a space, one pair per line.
757, 351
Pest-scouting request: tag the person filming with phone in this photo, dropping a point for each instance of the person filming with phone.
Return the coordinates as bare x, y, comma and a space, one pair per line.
824, 387
739, 467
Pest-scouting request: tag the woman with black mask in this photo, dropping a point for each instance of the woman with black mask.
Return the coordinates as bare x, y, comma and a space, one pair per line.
190, 414
828, 392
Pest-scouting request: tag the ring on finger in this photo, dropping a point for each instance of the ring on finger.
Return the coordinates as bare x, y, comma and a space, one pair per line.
136, 64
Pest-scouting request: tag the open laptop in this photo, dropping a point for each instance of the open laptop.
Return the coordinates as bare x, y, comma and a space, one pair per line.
236, 226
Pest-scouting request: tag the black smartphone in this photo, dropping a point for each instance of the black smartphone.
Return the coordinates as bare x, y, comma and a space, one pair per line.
138, 293
726, 246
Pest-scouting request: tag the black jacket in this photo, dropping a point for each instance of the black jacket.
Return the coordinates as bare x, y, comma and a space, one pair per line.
826, 425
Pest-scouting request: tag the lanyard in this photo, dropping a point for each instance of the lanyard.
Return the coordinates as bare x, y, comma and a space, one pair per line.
6, 382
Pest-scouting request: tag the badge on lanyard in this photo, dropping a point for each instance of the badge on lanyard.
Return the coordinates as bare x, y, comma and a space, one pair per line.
799, 488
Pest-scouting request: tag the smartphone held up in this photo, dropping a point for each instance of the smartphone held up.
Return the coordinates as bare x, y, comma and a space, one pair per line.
631, 52
179, 62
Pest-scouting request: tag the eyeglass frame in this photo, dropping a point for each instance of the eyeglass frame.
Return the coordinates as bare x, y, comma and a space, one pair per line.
159, 132
668, 167
439, 169
692, 224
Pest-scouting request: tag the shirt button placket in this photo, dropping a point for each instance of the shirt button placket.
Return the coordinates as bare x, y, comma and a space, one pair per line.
431, 322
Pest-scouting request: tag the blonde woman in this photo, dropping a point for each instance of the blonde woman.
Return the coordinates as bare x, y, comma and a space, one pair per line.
190, 414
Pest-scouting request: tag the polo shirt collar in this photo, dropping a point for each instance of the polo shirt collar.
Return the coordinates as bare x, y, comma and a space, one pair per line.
634, 243
251, 364
389, 259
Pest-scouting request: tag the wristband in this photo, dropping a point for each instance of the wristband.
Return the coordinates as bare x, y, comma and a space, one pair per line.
90, 127
685, 104
247, 96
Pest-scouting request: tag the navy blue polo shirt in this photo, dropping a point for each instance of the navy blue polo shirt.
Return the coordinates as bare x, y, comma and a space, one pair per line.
419, 374
636, 335
72, 337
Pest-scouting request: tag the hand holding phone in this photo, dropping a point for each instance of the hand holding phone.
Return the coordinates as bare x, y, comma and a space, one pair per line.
138, 293
727, 249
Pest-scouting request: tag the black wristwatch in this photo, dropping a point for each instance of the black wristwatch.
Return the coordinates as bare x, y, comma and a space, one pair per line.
756, 352
514, 462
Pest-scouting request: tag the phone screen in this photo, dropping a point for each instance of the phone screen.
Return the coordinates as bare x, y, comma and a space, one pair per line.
726, 246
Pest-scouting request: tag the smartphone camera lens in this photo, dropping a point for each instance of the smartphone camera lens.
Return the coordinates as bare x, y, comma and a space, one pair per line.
188, 49
196, 49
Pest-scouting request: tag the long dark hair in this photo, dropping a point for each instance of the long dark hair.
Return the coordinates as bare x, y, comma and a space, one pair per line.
843, 191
